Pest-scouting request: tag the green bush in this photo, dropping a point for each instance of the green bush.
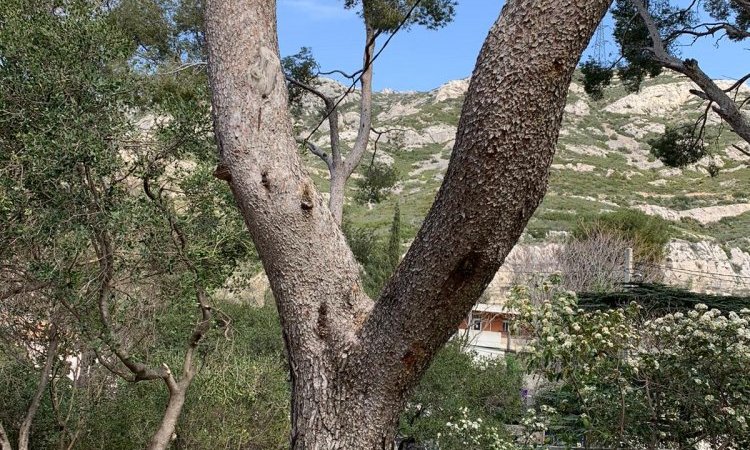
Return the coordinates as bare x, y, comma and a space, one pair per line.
488, 389
377, 181
239, 399
649, 234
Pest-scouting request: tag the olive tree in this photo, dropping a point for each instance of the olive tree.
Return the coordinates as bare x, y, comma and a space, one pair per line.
108, 221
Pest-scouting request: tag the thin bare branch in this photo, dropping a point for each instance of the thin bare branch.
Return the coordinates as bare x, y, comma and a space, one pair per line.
4, 439
24, 431
184, 67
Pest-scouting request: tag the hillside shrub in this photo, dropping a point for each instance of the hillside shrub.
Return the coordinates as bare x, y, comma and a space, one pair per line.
619, 379
649, 234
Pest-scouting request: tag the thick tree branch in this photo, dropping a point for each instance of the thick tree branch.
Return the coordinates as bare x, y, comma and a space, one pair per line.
332, 114
365, 106
284, 212
317, 151
351, 365
725, 106
496, 178
23, 287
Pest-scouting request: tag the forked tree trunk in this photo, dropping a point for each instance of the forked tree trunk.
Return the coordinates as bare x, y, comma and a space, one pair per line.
353, 361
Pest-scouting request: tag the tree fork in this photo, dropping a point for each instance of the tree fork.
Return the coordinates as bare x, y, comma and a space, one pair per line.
353, 361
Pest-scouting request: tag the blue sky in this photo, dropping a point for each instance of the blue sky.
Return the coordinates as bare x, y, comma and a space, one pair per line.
421, 59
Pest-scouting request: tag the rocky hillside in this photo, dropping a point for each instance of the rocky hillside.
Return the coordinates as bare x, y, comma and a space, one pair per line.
602, 164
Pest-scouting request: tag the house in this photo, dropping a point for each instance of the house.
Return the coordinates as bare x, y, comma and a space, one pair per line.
489, 332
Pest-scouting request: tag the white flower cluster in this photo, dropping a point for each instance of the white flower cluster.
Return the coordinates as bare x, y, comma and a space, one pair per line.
692, 364
474, 434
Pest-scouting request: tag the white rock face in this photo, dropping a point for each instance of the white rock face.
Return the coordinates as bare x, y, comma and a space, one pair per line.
435, 163
639, 129
384, 158
330, 88
579, 108
705, 215
670, 172
148, 124
521, 261
706, 267
350, 118
654, 100
434, 134
620, 142
590, 150
736, 155
576, 88
698, 266
577, 167
245, 288
400, 109
451, 89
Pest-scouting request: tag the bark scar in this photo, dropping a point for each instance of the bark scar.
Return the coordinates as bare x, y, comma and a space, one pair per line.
413, 356
322, 324
307, 201
222, 172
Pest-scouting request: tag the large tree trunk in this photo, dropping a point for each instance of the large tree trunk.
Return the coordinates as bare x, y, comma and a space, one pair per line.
353, 361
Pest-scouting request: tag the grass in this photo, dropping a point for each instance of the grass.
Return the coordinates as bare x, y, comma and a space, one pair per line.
572, 195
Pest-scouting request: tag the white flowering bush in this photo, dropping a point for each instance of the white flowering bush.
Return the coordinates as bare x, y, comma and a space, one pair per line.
466, 432
457, 388
619, 379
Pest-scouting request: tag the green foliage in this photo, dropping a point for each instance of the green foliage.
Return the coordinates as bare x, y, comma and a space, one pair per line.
386, 15
658, 299
300, 67
18, 383
63, 89
650, 234
163, 31
145, 22
376, 182
736, 13
240, 399
631, 34
595, 78
378, 259
615, 379
678, 147
489, 389
107, 209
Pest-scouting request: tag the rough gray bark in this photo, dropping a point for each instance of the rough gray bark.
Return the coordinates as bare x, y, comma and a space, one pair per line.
724, 105
354, 361
24, 432
340, 169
